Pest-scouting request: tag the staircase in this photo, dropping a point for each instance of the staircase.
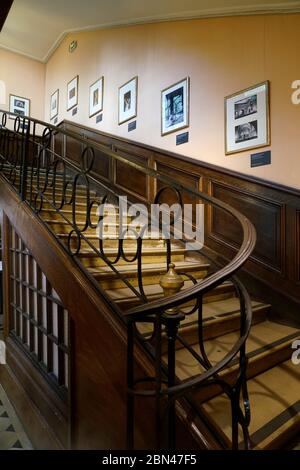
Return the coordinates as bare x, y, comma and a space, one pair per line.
275, 410
272, 379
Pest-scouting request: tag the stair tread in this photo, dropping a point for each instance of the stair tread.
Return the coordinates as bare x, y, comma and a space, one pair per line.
275, 408
131, 251
211, 311
264, 335
154, 289
147, 268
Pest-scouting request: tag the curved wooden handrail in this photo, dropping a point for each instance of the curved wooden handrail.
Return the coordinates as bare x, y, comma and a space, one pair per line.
249, 233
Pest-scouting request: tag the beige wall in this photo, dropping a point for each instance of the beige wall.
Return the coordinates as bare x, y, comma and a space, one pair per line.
221, 56
23, 77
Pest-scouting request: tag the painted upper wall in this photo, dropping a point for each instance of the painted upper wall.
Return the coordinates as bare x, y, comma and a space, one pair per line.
221, 56
23, 77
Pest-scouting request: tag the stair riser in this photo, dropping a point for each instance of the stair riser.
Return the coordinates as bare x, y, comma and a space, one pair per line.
51, 215
93, 262
147, 280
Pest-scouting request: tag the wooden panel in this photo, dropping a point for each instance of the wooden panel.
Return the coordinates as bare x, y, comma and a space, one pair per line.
297, 247
181, 175
267, 217
130, 179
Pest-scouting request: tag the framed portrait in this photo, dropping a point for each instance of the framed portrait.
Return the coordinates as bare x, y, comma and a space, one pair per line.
72, 93
247, 119
128, 100
96, 97
19, 105
175, 107
54, 102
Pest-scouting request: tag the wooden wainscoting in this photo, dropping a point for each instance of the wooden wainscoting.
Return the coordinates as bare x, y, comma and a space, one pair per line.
273, 271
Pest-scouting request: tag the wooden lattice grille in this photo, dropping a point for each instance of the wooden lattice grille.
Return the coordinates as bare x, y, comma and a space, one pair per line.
39, 322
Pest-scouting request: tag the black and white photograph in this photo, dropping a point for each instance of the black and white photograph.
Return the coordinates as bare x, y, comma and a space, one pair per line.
175, 107
19, 105
128, 100
96, 97
54, 102
245, 107
246, 131
247, 119
72, 93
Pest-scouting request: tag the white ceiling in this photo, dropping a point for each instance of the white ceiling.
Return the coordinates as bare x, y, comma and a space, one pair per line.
36, 27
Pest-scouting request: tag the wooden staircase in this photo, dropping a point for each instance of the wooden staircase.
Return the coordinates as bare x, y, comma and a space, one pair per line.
273, 380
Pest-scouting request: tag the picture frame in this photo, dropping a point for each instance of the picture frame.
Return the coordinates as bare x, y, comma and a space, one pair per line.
54, 105
19, 105
247, 119
96, 97
127, 97
72, 93
175, 107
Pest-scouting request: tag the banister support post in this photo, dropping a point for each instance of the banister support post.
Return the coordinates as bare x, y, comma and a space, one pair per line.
171, 283
24, 162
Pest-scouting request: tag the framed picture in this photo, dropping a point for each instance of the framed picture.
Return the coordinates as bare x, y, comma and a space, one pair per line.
175, 107
247, 119
19, 105
96, 97
54, 102
128, 100
72, 93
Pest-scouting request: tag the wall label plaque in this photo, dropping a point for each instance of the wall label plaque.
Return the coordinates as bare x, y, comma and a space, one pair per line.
182, 138
99, 118
261, 158
74, 111
131, 126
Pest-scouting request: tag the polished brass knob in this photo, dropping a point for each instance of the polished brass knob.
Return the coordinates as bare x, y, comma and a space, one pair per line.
171, 283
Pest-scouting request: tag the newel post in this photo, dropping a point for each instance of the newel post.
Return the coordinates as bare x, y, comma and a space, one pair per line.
171, 284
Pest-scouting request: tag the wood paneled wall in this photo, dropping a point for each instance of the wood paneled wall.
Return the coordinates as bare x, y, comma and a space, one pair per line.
273, 271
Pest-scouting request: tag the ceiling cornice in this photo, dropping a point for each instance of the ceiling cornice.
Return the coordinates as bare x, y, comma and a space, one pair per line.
276, 8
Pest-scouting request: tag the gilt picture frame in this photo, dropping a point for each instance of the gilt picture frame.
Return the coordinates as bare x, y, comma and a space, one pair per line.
247, 119
19, 105
54, 105
72, 93
96, 97
175, 107
128, 95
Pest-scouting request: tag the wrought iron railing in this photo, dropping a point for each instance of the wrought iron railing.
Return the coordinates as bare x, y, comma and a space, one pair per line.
45, 174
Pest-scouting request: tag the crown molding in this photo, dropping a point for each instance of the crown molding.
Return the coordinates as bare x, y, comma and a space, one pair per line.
270, 9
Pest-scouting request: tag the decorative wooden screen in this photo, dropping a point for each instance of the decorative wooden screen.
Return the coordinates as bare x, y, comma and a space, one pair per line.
39, 323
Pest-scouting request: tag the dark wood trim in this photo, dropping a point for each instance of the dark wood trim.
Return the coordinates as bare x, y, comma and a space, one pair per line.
4, 10
98, 136
6, 273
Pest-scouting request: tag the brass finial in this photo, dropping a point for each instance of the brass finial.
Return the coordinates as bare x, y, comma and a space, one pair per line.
171, 283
